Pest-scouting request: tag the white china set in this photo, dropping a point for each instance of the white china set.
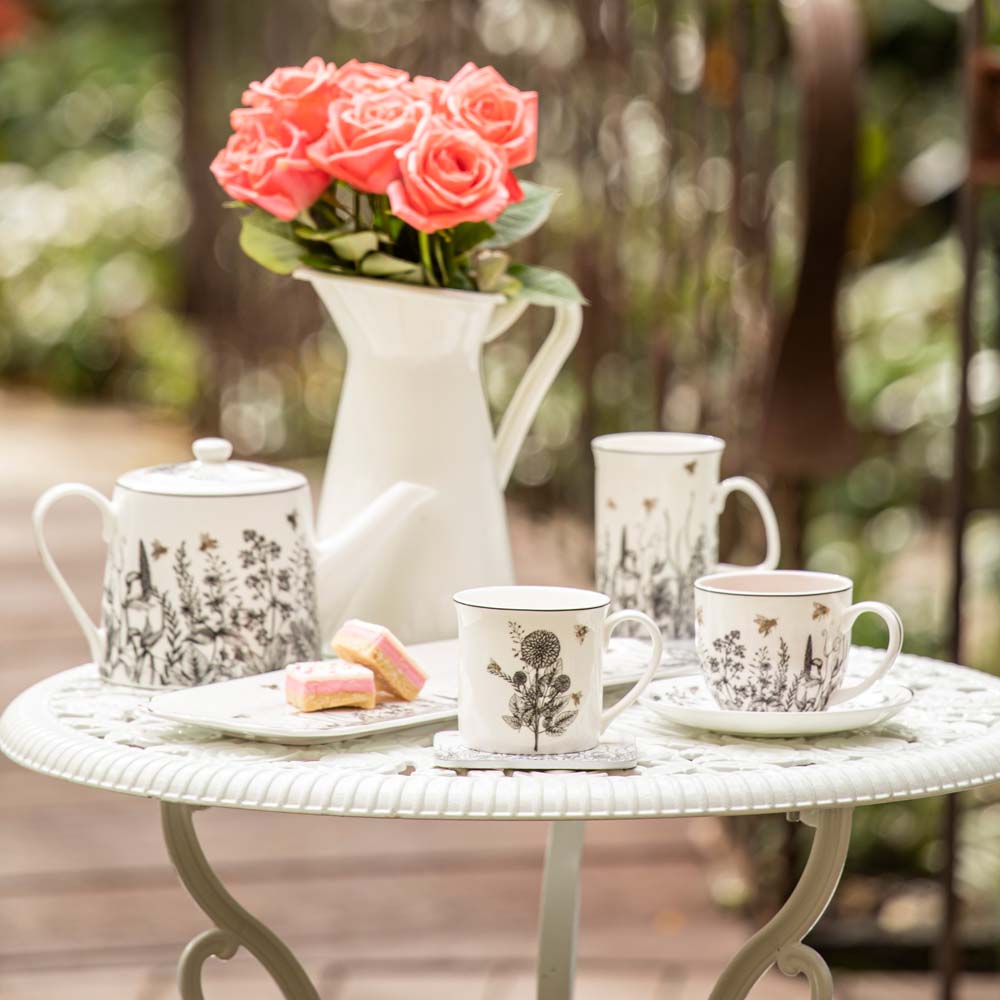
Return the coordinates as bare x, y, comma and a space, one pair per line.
656, 508
215, 571
531, 662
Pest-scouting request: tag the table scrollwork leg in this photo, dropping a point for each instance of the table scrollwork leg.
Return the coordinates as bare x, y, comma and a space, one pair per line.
234, 926
780, 940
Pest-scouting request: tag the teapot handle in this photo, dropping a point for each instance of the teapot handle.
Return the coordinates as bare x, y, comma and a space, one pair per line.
93, 634
536, 381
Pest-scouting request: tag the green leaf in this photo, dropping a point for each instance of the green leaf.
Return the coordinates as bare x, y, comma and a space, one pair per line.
235, 204
510, 287
491, 269
323, 235
271, 242
467, 235
382, 265
461, 280
394, 226
524, 217
354, 246
545, 287
321, 262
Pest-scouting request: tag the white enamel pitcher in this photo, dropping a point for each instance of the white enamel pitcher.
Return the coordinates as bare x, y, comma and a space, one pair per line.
413, 408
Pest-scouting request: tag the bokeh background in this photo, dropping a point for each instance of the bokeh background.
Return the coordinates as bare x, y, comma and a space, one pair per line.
673, 129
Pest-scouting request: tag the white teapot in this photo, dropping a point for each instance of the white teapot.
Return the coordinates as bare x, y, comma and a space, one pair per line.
213, 568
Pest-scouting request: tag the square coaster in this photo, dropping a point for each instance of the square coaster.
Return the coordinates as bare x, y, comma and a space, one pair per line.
610, 755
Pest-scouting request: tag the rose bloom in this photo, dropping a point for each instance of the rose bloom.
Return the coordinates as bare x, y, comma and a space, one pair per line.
270, 169
449, 175
426, 88
368, 78
298, 95
485, 102
364, 132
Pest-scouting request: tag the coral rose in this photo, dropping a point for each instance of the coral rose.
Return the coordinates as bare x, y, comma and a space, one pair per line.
484, 101
269, 168
298, 95
368, 78
426, 88
364, 132
449, 175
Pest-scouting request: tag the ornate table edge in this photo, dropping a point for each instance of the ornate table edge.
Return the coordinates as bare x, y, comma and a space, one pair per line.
153, 773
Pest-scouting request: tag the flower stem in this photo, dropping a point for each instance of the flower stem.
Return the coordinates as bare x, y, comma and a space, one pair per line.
330, 198
425, 257
357, 209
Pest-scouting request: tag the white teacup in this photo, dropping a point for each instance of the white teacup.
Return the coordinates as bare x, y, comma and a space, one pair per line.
530, 663
777, 641
656, 521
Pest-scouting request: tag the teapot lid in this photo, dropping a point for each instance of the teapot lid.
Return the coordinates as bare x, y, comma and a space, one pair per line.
212, 474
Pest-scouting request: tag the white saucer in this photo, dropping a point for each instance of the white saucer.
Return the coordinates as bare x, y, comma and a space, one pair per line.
449, 751
688, 702
254, 708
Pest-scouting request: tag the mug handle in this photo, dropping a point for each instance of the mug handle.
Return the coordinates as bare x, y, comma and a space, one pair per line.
535, 382
610, 624
895, 626
93, 634
772, 536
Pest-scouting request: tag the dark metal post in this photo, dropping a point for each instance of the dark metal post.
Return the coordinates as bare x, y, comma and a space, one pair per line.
949, 945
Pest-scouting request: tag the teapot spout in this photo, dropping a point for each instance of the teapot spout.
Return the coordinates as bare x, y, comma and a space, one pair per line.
345, 557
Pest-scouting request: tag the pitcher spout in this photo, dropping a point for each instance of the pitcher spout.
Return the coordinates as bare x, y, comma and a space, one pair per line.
345, 558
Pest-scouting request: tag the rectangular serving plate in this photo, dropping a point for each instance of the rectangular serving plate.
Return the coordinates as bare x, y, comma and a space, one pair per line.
254, 708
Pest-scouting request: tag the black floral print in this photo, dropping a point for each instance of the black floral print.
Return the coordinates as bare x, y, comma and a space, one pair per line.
217, 621
541, 699
766, 681
652, 566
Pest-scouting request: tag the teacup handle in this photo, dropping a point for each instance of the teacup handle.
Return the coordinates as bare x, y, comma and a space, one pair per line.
772, 536
93, 634
895, 626
610, 624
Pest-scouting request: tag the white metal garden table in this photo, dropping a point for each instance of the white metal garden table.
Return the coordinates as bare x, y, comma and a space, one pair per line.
75, 727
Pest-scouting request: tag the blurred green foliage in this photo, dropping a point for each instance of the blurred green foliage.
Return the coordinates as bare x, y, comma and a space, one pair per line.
92, 206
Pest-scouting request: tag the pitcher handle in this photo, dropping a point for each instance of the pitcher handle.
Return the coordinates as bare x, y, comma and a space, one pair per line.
535, 383
93, 634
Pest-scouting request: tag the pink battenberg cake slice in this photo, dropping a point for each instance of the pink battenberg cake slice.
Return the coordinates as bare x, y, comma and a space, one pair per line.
377, 648
310, 687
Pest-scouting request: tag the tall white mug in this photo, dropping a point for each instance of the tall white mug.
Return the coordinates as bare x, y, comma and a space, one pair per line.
657, 504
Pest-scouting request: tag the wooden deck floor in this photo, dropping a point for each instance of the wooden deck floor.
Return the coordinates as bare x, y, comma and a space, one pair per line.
378, 910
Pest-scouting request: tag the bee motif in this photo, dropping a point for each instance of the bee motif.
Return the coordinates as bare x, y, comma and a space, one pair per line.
293, 519
689, 467
159, 549
649, 503
580, 631
611, 504
576, 696
819, 610
765, 625
208, 542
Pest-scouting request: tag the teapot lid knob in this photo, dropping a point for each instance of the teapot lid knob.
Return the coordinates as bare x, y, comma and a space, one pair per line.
212, 450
